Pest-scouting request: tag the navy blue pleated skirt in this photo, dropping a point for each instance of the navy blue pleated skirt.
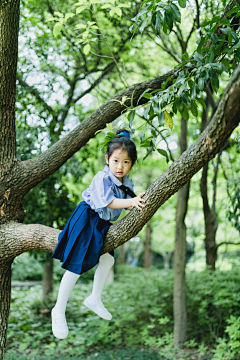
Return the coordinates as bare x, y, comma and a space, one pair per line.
81, 241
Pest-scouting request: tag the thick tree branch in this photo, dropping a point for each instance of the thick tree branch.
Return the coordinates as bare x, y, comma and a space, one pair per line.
224, 121
33, 171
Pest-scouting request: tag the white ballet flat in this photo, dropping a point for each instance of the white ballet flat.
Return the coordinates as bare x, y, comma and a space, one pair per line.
97, 307
59, 326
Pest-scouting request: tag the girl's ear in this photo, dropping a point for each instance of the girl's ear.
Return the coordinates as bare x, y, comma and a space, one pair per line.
106, 157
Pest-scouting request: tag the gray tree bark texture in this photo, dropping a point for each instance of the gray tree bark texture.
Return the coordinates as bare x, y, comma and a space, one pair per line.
17, 178
179, 288
210, 214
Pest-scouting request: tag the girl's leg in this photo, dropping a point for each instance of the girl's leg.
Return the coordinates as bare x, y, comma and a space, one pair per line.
94, 301
59, 323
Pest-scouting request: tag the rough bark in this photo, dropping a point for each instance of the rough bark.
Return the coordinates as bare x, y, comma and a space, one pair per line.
48, 277
9, 25
147, 247
179, 303
210, 214
5, 298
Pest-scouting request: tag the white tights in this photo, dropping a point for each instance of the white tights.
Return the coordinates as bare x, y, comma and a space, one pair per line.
69, 280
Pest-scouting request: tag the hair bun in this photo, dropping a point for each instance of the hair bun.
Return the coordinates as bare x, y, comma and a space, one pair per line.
123, 132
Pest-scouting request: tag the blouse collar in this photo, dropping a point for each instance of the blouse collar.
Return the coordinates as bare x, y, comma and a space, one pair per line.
113, 178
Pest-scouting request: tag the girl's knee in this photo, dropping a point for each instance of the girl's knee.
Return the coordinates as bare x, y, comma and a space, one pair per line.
107, 258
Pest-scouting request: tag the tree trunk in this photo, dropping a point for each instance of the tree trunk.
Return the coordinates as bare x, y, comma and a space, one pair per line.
122, 256
210, 220
147, 247
179, 304
5, 298
210, 215
48, 276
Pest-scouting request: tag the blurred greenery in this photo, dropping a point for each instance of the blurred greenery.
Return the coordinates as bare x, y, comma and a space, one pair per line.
141, 303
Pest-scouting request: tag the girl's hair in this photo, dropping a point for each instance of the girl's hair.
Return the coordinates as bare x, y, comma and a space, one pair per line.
122, 142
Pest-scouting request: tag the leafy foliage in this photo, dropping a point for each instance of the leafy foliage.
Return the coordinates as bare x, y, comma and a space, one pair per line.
141, 303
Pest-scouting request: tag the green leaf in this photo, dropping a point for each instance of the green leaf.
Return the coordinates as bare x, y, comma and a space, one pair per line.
80, 9
235, 37
57, 29
226, 30
50, 19
193, 91
193, 108
130, 117
69, 15
175, 13
201, 83
147, 96
186, 99
58, 14
165, 27
105, 6
144, 23
210, 57
168, 9
141, 136
214, 38
86, 49
182, 3
185, 56
169, 20
198, 57
161, 118
201, 101
143, 94
164, 153
80, 26
214, 80
168, 120
233, 10
224, 22
159, 20
112, 12
185, 114
118, 11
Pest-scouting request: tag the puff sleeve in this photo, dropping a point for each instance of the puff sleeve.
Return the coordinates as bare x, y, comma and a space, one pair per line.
100, 193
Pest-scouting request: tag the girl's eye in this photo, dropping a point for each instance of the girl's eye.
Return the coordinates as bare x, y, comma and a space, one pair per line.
115, 160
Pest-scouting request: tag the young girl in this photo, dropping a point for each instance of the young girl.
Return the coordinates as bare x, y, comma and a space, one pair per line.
81, 241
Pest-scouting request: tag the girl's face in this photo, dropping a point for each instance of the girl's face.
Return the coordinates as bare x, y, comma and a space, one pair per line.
119, 163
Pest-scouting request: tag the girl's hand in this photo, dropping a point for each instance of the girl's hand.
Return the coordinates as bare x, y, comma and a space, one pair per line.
137, 201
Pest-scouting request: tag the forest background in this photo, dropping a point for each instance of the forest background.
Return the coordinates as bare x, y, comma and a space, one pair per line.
68, 66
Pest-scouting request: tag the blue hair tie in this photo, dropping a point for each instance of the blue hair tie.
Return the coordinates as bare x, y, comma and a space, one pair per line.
124, 133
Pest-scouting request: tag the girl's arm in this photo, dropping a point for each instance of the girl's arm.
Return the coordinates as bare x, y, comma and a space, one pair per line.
128, 203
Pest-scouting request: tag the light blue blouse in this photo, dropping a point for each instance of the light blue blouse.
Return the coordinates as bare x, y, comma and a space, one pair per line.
103, 190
